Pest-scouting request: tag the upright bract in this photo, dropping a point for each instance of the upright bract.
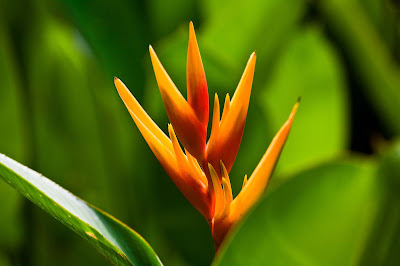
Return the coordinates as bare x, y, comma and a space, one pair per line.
201, 170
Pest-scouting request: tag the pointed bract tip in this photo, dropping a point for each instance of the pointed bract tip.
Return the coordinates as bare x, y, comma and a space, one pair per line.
213, 173
224, 172
210, 167
223, 169
244, 181
119, 84
294, 109
252, 57
192, 33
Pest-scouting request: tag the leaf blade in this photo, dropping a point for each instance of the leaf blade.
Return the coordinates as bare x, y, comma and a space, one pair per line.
293, 224
116, 241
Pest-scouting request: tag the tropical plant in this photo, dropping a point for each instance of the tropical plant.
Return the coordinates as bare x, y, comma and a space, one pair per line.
332, 198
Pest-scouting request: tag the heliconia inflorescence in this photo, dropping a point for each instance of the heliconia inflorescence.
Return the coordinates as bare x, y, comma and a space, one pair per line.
201, 171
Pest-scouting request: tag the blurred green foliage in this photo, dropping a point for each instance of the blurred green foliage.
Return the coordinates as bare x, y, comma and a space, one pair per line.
60, 115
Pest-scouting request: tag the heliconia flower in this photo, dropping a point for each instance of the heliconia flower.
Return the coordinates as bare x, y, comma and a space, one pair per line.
201, 171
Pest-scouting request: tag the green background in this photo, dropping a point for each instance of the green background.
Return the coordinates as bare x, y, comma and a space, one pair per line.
334, 196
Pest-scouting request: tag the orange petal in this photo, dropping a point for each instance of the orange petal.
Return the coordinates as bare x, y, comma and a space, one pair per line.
216, 116
179, 155
227, 187
197, 91
219, 194
194, 165
167, 153
244, 181
258, 181
190, 183
133, 106
227, 104
189, 129
158, 142
225, 145
222, 222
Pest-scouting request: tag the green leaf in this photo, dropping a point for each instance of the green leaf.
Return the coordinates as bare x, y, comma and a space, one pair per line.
308, 67
116, 241
234, 29
322, 216
384, 243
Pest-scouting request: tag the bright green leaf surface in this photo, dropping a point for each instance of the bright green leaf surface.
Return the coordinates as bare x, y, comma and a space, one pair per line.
235, 26
115, 240
308, 68
322, 216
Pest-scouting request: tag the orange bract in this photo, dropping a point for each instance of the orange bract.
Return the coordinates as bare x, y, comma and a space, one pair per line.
201, 172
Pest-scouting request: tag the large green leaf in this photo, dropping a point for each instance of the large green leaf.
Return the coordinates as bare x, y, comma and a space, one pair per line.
116, 241
322, 216
309, 67
384, 243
